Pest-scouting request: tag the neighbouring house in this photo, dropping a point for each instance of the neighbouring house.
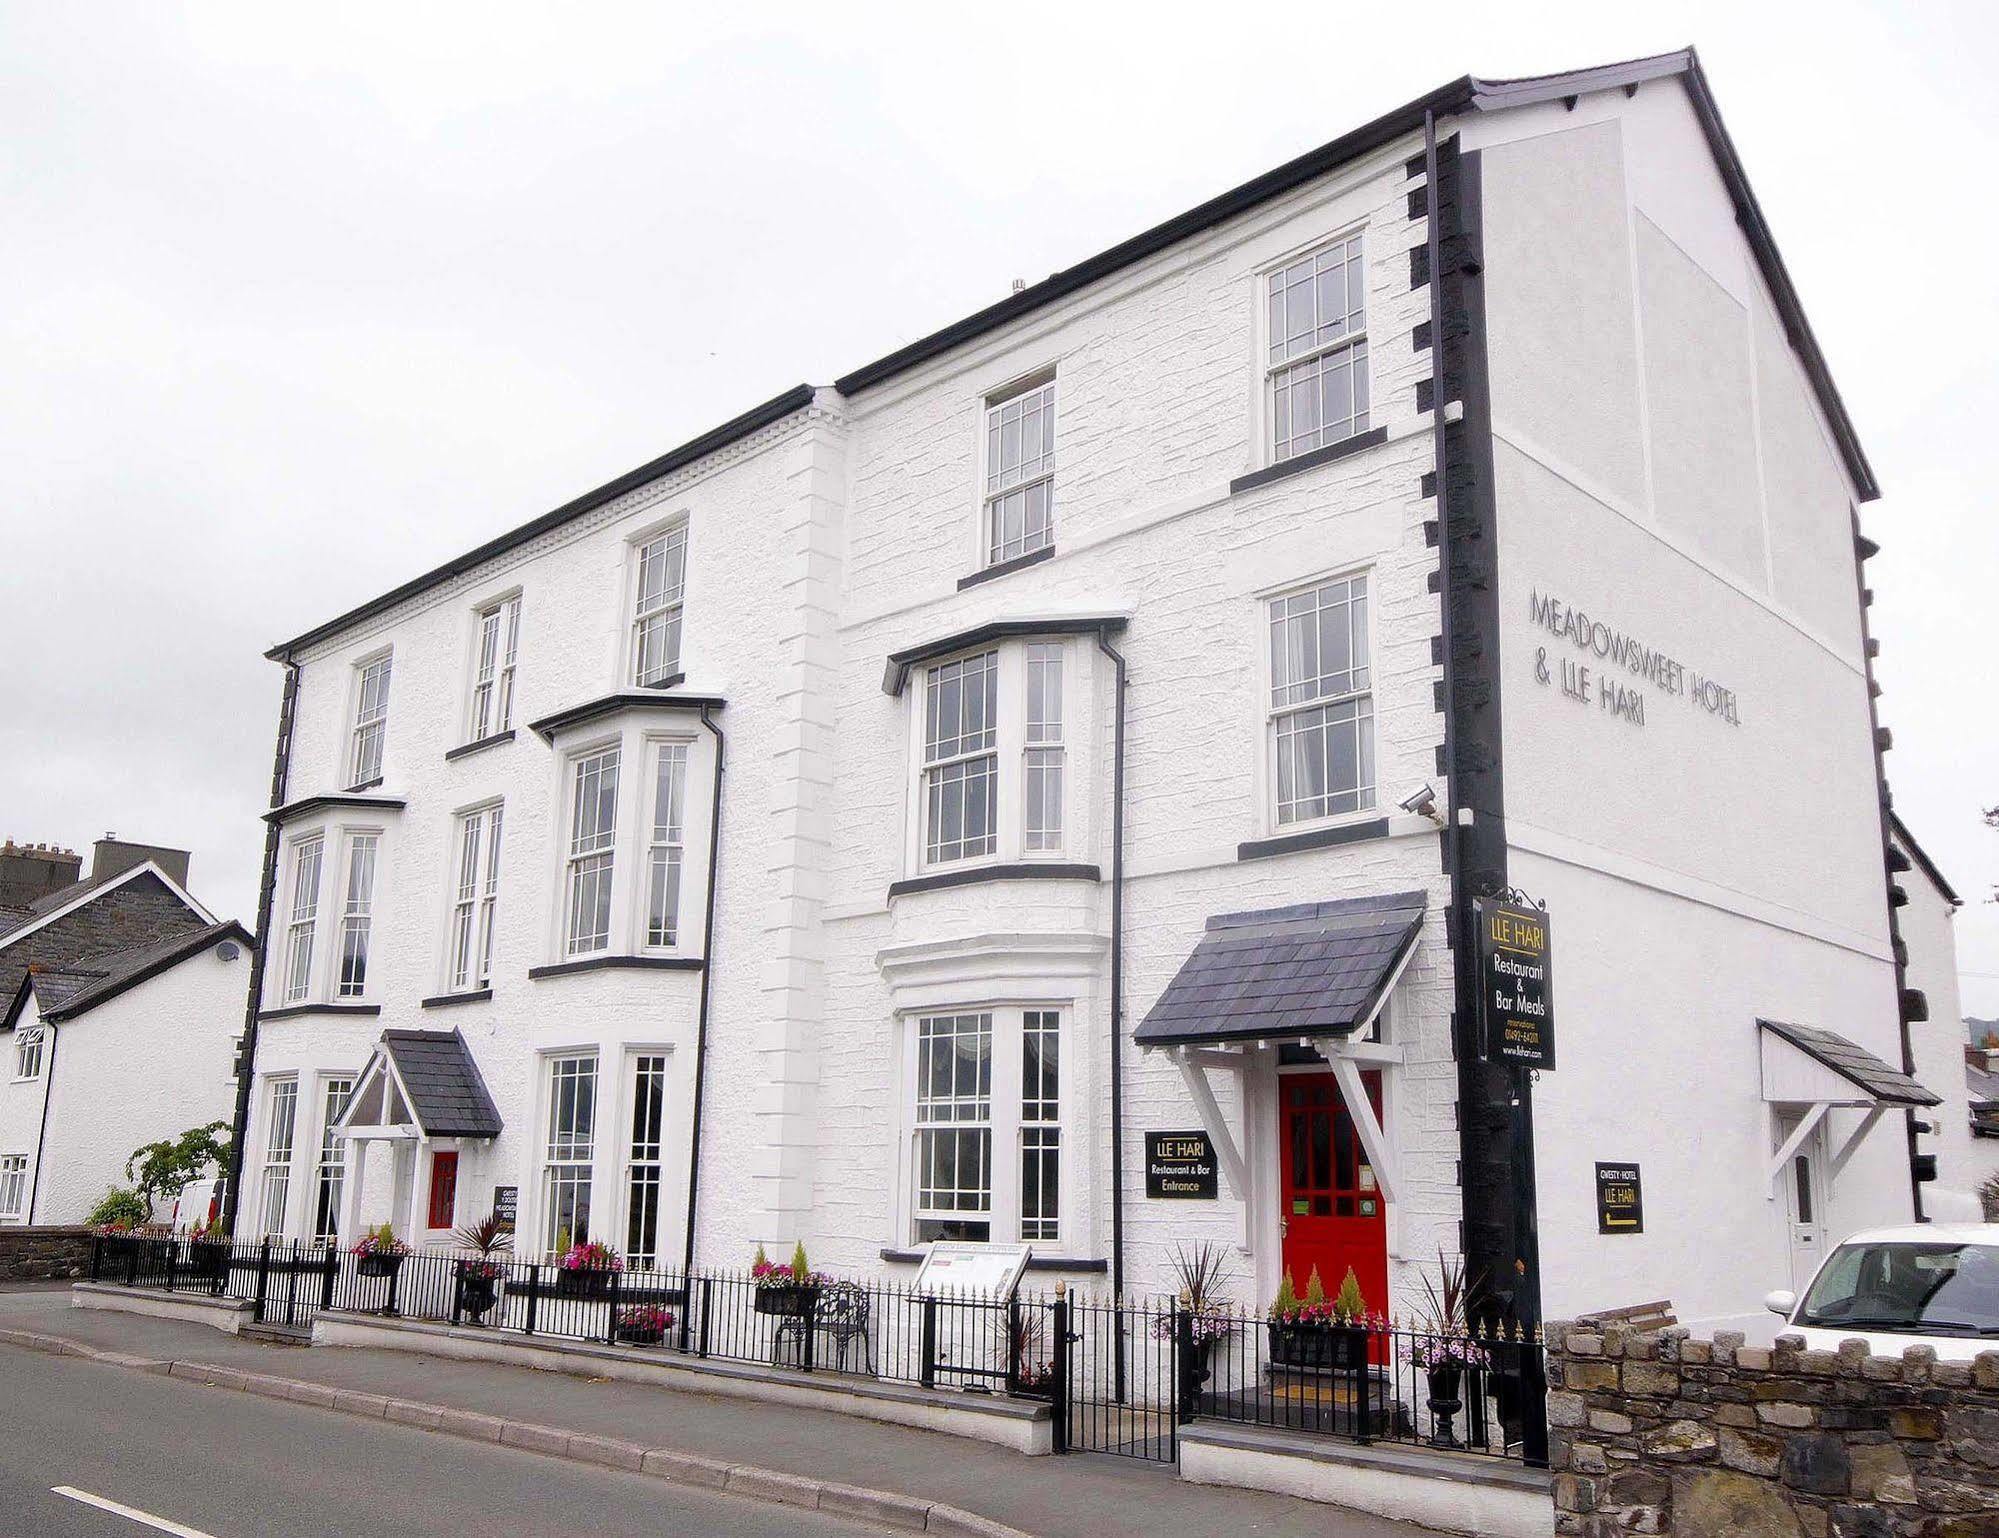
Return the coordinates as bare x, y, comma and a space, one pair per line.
1064, 781
1962, 1134
121, 1002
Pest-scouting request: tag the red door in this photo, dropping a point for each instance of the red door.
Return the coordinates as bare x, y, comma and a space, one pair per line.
443, 1187
1333, 1215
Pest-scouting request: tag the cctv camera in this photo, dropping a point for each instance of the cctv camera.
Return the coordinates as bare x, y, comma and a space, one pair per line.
1423, 803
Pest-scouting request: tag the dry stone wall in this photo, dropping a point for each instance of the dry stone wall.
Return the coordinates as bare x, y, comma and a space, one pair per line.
1664, 1433
43, 1253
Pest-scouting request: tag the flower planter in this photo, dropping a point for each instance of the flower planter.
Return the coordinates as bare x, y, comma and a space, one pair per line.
378, 1265
787, 1300
583, 1282
1444, 1383
1335, 1347
641, 1335
477, 1295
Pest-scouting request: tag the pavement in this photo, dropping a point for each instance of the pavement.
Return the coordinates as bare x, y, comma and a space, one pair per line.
990, 1488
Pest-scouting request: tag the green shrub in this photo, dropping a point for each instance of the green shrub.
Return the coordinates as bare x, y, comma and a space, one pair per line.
1350, 1304
119, 1208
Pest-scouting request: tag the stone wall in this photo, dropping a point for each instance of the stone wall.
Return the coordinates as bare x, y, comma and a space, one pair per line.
1662, 1433
43, 1253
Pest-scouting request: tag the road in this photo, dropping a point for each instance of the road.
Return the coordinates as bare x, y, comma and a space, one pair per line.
224, 1465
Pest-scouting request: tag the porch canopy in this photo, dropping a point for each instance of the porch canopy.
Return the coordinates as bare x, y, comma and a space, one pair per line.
1809, 1071
421, 1084
1315, 974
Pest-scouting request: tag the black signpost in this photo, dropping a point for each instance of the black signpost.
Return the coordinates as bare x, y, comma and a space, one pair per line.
1620, 1202
1180, 1166
506, 1203
1516, 998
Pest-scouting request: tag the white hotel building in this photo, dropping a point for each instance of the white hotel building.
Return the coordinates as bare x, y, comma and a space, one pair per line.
800, 837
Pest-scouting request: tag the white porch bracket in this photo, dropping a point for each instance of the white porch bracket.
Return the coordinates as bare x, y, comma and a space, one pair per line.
1193, 1070
1854, 1139
1379, 1154
1807, 1124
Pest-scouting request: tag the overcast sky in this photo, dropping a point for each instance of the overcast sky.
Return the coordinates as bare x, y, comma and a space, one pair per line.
297, 302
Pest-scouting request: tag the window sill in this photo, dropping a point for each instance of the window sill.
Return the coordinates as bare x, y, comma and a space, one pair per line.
1298, 464
1313, 838
1006, 568
479, 745
619, 963
979, 874
444, 1000
374, 784
1034, 1262
293, 1011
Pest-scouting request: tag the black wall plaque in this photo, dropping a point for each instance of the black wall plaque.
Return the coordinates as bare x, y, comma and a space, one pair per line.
1180, 1166
1516, 996
1620, 1202
506, 1203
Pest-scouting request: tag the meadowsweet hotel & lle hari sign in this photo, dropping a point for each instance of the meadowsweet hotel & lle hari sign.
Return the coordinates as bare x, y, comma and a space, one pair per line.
1515, 995
1603, 651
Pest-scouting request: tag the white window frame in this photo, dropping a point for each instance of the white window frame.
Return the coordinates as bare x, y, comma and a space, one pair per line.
644, 1131
368, 736
1034, 397
13, 1185
1061, 751
1010, 1119
568, 1158
30, 1051
477, 837
302, 916
361, 850
1044, 759
670, 760
667, 607
1352, 341
496, 641
1273, 713
582, 851
275, 1186
329, 1182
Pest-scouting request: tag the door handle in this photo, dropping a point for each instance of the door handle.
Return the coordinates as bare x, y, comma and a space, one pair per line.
1283, 1228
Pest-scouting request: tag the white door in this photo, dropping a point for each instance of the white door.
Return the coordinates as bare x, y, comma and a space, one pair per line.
1804, 1196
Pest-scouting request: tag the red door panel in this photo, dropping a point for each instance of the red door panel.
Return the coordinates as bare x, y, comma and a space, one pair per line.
443, 1187
1333, 1215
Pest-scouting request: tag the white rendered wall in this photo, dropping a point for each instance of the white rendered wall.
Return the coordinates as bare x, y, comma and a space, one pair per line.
148, 1064
1662, 465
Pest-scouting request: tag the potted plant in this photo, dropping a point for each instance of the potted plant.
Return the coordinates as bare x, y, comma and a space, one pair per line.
1313, 1333
1445, 1349
791, 1291
1030, 1374
479, 1273
1203, 1317
380, 1252
643, 1324
586, 1270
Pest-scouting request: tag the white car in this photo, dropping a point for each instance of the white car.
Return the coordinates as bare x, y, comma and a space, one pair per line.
1924, 1284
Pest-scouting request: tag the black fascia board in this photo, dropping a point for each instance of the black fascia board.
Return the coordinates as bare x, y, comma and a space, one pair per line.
296, 809
895, 675
621, 700
774, 410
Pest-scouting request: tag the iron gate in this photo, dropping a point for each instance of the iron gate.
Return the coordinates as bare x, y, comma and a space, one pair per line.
1119, 1388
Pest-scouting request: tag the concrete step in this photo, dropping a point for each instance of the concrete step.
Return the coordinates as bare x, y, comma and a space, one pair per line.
278, 1334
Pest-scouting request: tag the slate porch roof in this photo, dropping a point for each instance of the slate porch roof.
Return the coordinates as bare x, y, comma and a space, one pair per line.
1311, 969
446, 1093
1852, 1062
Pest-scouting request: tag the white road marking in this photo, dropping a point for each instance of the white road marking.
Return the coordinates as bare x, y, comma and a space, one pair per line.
131, 1514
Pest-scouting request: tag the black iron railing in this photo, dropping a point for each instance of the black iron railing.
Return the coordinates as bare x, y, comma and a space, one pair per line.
1122, 1377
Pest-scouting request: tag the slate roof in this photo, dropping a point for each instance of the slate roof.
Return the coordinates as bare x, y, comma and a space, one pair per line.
111, 975
446, 1094
1853, 1062
1311, 969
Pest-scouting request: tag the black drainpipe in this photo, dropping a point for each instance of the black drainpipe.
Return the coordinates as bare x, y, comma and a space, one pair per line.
701, 1015
246, 1053
49, 1035
1117, 999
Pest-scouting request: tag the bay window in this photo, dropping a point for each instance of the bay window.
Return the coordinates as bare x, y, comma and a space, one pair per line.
593, 840
1316, 362
477, 889
357, 914
1042, 768
331, 1174
280, 1130
986, 1126
569, 1151
1321, 711
960, 767
664, 852
644, 1164
308, 855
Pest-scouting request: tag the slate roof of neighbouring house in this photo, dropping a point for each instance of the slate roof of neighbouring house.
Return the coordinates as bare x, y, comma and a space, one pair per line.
1853, 1062
446, 1093
115, 973
1311, 969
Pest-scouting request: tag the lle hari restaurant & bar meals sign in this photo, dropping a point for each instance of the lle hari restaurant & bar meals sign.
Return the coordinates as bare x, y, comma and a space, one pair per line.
1515, 996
